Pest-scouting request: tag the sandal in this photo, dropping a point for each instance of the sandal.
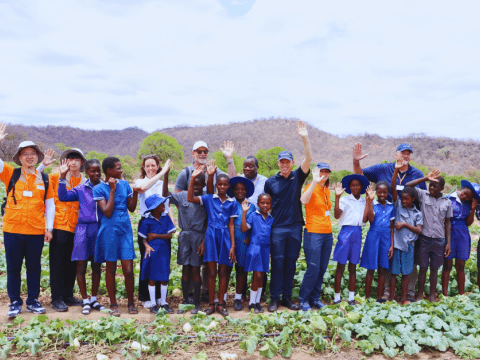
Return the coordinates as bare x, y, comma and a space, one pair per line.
132, 310
224, 311
86, 309
97, 306
209, 310
114, 310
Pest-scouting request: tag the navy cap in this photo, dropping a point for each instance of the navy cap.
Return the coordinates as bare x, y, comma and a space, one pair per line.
153, 201
323, 165
405, 146
285, 155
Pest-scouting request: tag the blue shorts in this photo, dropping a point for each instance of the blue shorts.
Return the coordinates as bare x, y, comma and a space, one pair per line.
402, 261
348, 246
375, 250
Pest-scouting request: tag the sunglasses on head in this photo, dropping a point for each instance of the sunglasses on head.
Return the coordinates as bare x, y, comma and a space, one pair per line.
149, 156
202, 151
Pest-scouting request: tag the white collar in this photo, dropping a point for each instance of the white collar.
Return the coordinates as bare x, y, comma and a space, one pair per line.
375, 202
149, 215
215, 196
455, 195
258, 212
353, 197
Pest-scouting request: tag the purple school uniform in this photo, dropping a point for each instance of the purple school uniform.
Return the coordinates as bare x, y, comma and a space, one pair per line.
89, 216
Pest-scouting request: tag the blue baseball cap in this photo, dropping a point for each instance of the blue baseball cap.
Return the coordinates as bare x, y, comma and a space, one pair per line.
153, 201
405, 146
285, 155
348, 179
323, 165
472, 186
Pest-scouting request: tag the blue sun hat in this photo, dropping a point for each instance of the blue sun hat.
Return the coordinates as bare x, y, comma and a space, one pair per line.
240, 179
472, 186
153, 201
363, 180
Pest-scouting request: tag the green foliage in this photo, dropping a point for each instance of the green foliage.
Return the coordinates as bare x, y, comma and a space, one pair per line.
129, 167
162, 145
62, 147
96, 155
221, 162
267, 161
422, 168
337, 176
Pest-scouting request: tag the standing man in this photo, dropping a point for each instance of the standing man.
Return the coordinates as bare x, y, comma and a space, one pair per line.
286, 238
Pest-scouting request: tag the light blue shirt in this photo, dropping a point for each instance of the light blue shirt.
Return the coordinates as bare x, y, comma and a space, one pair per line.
259, 183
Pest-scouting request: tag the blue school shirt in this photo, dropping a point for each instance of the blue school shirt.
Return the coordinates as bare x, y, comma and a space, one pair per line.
260, 228
218, 212
383, 216
285, 193
123, 191
384, 172
404, 237
153, 225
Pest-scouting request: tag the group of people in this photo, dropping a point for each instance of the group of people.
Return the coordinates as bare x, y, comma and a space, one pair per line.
246, 221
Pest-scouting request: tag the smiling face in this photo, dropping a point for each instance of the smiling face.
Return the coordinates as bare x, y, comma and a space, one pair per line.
94, 173
382, 193
264, 203
355, 187
465, 194
151, 168
198, 186
74, 162
29, 156
222, 185
250, 169
435, 188
115, 172
285, 166
406, 200
404, 155
200, 155
239, 191
325, 173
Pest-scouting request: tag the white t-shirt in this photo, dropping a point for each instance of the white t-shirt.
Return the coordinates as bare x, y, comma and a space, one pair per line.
353, 210
157, 188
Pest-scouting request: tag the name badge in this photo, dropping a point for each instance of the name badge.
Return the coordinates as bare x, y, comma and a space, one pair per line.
400, 187
40, 187
327, 213
27, 193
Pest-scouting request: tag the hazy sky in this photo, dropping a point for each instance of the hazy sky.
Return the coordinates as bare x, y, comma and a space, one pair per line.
348, 67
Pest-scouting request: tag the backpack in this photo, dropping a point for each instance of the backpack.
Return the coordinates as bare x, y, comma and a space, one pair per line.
11, 187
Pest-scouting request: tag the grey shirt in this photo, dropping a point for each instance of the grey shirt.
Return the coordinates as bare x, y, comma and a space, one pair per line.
404, 237
434, 212
191, 216
184, 178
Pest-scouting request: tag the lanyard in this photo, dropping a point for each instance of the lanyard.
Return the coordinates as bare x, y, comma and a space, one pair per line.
26, 178
401, 178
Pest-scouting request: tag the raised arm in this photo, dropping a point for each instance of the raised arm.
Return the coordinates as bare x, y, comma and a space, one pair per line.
317, 179
165, 191
307, 151
368, 214
357, 156
190, 197
471, 216
107, 207
432, 176
393, 184
245, 207
227, 150
150, 182
338, 193
211, 170
63, 193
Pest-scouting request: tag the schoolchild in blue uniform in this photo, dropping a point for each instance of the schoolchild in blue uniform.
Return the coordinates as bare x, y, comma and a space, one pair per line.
464, 203
220, 234
86, 230
351, 210
378, 248
115, 198
408, 225
156, 230
258, 252
240, 188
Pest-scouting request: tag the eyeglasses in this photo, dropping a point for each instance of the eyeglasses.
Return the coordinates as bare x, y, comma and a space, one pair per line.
29, 154
202, 151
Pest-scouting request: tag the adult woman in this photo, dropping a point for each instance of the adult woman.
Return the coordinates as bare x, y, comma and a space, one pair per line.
149, 184
318, 238
28, 196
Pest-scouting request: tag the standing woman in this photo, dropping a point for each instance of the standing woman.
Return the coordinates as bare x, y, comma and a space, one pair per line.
28, 197
149, 183
318, 238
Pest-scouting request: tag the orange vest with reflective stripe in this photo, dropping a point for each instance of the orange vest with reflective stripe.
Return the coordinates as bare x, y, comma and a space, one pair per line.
66, 213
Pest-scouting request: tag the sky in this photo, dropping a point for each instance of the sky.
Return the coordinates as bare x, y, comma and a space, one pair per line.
347, 67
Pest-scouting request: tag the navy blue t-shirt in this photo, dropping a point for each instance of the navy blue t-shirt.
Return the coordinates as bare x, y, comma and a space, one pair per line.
285, 193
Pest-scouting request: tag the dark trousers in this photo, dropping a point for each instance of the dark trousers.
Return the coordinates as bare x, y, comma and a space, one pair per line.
62, 269
18, 247
143, 294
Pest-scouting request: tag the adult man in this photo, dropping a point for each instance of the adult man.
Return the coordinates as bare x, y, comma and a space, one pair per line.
286, 238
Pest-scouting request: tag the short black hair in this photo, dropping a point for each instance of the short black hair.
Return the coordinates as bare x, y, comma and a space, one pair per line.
109, 163
74, 155
91, 162
250, 157
382, 183
201, 177
264, 194
410, 191
223, 176
441, 181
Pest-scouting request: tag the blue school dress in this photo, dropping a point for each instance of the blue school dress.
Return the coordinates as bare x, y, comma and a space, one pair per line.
258, 251
460, 240
378, 241
115, 236
156, 267
217, 237
240, 246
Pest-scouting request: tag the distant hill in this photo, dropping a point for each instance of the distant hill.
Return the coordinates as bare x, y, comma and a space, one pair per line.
452, 156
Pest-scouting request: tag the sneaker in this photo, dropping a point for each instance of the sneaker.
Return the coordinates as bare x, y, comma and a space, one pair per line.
305, 306
154, 309
317, 304
196, 309
147, 304
166, 308
273, 305
237, 305
73, 301
259, 308
15, 309
287, 302
253, 306
36, 307
59, 305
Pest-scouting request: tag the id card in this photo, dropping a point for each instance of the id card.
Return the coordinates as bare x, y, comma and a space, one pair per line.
40, 187
327, 213
400, 187
27, 193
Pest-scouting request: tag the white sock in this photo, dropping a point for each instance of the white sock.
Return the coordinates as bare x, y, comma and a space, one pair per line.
351, 295
151, 290
93, 298
259, 295
337, 296
238, 296
163, 292
225, 297
86, 301
253, 297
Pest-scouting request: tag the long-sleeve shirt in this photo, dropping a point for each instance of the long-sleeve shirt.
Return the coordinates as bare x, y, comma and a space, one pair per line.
88, 212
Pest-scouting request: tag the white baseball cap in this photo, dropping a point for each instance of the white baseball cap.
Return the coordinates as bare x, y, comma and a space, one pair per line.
199, 144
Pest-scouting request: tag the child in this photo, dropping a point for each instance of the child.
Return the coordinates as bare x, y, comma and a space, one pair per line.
351, 211
192, 219
464, 203
434, 241
378, 248
258, 252
220, 234
115, 237
240, 188
157, 230
408, 225
86, 230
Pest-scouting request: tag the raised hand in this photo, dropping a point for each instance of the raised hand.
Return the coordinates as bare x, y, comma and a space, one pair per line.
167, 165
48, 157
228, 149
63, 170
112, 182
400, 163
370, 192
198, 171
3, 134
339, 190
434, 175
302, 129
357, 152
245, 205
211, 168
474, 203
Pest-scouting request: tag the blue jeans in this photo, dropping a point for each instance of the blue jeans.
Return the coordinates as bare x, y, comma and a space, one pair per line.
317, 248
17, 247
285, 244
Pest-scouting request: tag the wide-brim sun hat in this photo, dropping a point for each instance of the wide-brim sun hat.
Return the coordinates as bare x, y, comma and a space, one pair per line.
348, 179
74, 151
153, 201
472, 186
240, 179
27, 144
